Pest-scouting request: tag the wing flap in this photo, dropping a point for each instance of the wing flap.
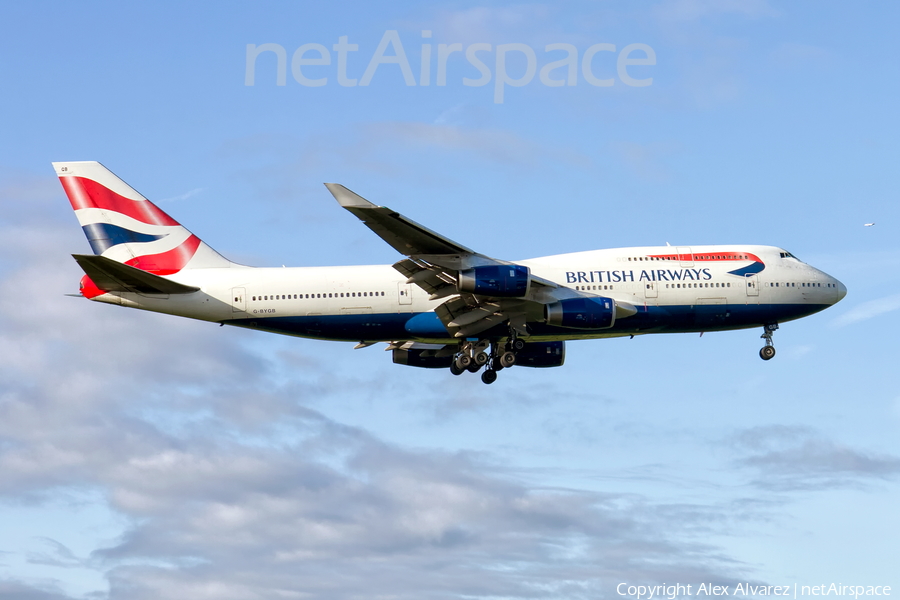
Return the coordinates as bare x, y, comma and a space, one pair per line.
434, 280
481, 325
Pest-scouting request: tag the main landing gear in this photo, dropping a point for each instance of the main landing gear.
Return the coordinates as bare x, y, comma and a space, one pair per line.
768, 351
491, 355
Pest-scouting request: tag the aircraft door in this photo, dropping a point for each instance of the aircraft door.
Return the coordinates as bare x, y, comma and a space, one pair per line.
238, 300
752, 282
651, 290
685, 256
404, 293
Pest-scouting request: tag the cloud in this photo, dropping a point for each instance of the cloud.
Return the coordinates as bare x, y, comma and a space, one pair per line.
11, 588
868, 310
57, 555
183, 196
798, 458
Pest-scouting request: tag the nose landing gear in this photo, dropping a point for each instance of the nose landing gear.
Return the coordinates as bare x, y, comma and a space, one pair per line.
768, 351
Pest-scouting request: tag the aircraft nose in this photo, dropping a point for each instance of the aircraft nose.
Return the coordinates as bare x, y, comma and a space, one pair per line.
841, 291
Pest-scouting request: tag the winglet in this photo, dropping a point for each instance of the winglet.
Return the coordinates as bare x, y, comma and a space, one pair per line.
346, 198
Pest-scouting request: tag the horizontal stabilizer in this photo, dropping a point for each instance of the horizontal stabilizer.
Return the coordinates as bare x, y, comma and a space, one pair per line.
113, 276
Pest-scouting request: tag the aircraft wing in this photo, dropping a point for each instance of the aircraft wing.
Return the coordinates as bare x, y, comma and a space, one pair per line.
441, 267
404, 235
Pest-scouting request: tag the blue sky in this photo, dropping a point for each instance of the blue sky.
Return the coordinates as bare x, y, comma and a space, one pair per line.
144, 456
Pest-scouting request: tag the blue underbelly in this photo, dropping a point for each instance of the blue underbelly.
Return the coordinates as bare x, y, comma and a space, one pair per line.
413, 326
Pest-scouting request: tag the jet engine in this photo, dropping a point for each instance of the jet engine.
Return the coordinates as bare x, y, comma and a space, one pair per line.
541, 354
426, 359
582, 313
501, 281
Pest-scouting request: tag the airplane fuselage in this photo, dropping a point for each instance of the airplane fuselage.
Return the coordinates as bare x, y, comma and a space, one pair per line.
683, 289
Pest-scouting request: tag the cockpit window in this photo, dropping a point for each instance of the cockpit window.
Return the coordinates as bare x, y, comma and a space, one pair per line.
788, 255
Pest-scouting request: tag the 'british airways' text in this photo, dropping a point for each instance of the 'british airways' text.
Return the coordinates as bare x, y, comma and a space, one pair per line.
617, 276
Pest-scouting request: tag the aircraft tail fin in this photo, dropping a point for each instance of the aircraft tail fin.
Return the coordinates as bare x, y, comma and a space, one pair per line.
123, 226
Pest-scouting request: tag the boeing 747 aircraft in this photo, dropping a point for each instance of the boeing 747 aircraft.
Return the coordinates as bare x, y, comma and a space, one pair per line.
443, 305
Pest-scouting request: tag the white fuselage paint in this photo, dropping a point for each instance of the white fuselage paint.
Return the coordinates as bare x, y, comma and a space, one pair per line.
256, 297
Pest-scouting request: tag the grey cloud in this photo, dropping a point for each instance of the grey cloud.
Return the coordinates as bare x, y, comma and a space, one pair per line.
56, 555
795, 458
18, 590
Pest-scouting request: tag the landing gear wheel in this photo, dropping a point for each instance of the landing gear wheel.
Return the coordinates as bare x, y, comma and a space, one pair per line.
495, 363
517, 345
507, 359
454, 369
473, 367
768, 351
489, 376
462, 362
482, 358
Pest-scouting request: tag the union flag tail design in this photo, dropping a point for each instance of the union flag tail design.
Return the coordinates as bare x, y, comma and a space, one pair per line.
122, 225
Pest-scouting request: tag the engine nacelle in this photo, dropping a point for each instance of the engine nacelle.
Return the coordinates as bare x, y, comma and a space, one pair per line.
541, 354
425, 359
502, 281
582, 313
